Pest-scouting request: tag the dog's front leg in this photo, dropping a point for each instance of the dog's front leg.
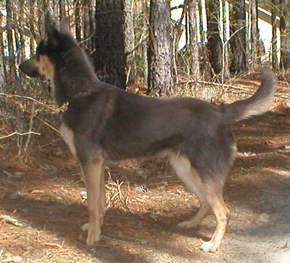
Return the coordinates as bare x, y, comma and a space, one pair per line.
93, 173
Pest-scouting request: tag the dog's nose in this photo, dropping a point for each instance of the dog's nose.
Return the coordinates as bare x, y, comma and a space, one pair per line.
20, 66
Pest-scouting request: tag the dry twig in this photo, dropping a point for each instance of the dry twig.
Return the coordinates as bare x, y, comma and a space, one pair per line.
19, 133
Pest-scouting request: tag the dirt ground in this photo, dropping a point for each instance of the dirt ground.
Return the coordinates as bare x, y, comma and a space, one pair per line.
43, 206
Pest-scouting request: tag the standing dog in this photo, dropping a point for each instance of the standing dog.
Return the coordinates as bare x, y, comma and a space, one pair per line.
103, 123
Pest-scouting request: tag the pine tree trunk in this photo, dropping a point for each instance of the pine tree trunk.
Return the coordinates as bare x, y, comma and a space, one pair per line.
160, 80
205, 66
238, 38
110, 50
193, 44
32, 27
89, 27
2, 64
285, 34
224, 34
254, 38
61, 5
214, 41
129, 40
77, 19
3, 71
275, 63
11, 50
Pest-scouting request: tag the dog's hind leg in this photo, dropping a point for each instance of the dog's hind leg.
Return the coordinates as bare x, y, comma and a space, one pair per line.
93, 174
210, 197
216, 201
189, 176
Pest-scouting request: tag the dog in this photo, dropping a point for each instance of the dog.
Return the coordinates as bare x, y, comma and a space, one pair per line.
102, 123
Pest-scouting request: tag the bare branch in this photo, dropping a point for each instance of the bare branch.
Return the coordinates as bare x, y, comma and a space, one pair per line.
18, 133
9, 96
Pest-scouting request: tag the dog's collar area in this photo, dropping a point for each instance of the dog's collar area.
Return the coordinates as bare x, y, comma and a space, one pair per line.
64, 106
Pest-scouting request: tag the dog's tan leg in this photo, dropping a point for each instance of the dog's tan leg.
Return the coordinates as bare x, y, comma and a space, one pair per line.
193, 182
221, 212
210, 197
93, 173
201, 214
103, 195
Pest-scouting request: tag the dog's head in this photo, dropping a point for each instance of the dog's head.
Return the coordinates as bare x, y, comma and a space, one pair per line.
50, 49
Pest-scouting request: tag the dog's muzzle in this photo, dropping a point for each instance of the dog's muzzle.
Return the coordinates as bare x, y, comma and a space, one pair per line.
29, 68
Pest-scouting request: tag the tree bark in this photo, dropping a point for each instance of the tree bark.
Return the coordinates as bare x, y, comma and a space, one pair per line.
160, 80
89, 27
275, 63
129, 40
224, 34
254, 36
193, 43
214, 41
2, 64
10, 78
238, 38
110, 50
77, 7
285, 34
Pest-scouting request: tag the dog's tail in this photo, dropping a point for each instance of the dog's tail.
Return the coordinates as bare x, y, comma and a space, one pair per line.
255, 105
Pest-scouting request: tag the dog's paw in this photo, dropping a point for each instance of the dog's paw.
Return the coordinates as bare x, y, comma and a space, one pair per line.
209, 247
85, 227
93, 238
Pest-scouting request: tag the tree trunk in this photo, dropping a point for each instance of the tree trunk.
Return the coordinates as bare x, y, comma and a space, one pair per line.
129, 40
32, 27
193, 43
61, 5
275, 63
177, 33
224, 34
89, 27
77, 7
205, 66
2, 64
285, 33
254, 34
160, 80
110, 50
238, 38
10, 78
214, 40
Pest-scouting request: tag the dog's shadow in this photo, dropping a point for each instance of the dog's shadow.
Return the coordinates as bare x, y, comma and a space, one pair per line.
120, 227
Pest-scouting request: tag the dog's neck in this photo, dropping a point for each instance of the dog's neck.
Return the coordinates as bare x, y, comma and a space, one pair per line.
73, 77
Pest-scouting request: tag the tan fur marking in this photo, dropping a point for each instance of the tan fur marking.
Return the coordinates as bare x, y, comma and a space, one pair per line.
209, 195
216, 201
45, 67
191, 179
186, 173
93, 174
68, 136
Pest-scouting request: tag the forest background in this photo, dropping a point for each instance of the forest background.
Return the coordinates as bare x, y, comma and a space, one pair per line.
135, 44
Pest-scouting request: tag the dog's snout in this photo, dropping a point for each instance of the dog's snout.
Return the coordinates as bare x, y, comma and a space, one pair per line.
29, 68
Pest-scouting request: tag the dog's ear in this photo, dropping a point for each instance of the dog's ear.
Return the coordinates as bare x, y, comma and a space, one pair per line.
51, 34
64, 26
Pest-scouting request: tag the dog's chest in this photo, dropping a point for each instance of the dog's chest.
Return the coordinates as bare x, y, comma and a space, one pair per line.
68, 136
